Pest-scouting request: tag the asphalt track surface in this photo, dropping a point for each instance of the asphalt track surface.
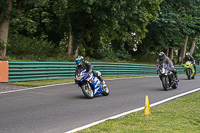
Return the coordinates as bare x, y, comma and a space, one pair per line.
61, 108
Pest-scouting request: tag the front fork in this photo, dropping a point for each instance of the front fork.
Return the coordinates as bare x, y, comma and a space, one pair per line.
170, 79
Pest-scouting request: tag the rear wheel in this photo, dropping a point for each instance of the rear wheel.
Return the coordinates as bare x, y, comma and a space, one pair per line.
106, 90
165, 83
175, 85
87, 90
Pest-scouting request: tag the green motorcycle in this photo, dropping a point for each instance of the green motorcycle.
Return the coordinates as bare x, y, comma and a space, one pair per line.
189, 69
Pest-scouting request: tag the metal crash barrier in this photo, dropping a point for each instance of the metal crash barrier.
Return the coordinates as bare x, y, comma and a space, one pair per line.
29, 71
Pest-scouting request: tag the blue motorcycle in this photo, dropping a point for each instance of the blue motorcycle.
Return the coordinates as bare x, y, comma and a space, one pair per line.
167, 77
91, 85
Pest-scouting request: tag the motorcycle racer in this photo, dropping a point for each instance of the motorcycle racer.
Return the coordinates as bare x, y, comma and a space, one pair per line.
162, 58
82, 64
188, 57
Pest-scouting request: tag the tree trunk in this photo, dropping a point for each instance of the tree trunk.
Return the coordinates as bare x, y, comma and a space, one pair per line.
4, 27
192, 46
171, 55
167, 52
76, 52
183, 49
70, 41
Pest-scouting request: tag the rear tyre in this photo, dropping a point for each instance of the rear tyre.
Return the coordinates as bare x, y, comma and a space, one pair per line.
106, 91
87, 90
175, 85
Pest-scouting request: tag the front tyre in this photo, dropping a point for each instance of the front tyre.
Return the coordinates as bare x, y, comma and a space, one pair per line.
188, 73
106, 90
165, 83
87, 90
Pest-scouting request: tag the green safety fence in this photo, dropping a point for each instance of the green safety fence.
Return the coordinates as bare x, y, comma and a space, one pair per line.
28, 71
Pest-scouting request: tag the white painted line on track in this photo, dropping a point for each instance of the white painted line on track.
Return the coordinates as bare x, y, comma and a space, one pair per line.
34, 88
131, 111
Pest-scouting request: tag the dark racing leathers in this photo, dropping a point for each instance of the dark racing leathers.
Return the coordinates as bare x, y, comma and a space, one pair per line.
166, 60
190, 58
85, 65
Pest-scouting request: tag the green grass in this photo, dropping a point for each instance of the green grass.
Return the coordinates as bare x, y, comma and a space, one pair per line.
178, 116
38, 83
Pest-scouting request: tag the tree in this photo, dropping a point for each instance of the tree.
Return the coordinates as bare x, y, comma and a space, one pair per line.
177, 21
183, 50
4, 25
86, 25
192, 46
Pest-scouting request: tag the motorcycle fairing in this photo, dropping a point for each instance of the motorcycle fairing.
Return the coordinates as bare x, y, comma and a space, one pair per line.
94, 81
189, 65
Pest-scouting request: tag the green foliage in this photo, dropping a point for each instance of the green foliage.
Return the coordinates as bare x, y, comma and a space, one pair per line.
30, 48
106, 53
105, 29
4, 13
93, 24
176, 19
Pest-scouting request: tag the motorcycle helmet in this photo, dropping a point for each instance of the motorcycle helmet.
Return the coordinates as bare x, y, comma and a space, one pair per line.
79, 60
187, 54
161, 55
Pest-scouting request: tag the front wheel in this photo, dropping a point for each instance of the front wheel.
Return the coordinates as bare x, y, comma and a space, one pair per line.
106, 90
87, 90
165, 83
188, 73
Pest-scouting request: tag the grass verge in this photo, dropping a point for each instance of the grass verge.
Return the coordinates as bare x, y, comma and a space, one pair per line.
38, 83
55, 81
178, 116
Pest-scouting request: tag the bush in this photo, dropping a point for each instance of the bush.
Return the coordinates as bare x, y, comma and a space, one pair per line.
29, 48
108, 54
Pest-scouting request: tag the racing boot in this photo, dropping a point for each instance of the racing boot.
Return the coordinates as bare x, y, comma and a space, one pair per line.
176, 78
104, 83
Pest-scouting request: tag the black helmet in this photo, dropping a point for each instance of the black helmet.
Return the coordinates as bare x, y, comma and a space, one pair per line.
187, 54
161, 55
79, 60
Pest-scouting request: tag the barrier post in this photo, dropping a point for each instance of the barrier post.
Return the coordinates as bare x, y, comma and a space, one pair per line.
3, 71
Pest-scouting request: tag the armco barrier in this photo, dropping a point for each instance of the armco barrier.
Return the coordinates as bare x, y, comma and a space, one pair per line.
27, 71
